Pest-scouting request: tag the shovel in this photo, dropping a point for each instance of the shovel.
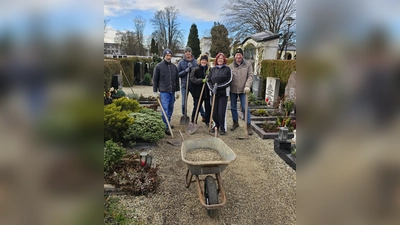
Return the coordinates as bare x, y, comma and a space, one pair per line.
192, 127
246, 134
185, 119
211, 115
175, 141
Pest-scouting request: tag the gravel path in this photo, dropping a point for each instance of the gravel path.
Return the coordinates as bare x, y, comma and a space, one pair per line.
260, 188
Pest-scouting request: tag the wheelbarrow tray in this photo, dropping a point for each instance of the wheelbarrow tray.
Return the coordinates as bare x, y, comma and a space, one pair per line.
207, 167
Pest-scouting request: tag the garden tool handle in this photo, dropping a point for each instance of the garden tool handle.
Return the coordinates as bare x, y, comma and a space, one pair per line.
198, 104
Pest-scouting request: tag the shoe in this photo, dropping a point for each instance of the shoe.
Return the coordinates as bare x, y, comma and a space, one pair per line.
235, 125
172, 126
249, 130
207, 124
212, 129
222, 132
203, 119
167, 132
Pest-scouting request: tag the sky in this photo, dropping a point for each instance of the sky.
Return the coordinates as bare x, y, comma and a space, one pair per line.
121, 13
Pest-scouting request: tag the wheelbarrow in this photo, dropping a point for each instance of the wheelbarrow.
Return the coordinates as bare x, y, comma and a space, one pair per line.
208, 196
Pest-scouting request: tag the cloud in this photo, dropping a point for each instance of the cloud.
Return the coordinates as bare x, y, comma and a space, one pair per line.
109, 35
204, 11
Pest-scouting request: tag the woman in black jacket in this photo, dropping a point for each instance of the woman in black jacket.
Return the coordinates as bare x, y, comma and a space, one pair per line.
197, 79
219, 82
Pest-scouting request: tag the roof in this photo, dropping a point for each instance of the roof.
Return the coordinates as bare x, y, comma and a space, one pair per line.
262, 36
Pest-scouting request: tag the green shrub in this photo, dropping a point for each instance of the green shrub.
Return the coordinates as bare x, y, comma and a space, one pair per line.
150, 112
277, 68
252, 97
111, 67
147, 127
127, 104
147, 79
133, 96
288, 105
112, 154
116, 122
118, 94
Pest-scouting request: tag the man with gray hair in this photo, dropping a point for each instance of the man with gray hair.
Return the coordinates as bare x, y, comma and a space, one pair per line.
242, 73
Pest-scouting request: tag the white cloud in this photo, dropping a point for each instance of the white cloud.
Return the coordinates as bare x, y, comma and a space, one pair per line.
205, 11
109, 35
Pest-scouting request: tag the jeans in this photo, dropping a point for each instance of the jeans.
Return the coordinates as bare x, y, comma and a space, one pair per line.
167, 101
234, 111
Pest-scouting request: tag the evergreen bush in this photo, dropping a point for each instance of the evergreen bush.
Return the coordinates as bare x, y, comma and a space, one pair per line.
127, 104
112, 154
116, 122
147, 79
147, 127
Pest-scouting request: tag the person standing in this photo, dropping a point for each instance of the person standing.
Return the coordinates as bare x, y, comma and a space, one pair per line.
242, 73
219, 81
197, 79
165, 85
184, 68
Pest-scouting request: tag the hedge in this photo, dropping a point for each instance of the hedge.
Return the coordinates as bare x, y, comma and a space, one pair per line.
113, 67
277, 68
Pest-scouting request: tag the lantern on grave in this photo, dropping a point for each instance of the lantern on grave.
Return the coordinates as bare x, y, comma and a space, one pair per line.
283, 133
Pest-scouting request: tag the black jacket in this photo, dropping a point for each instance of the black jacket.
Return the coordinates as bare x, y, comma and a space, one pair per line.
222, 76
196, 82
165, 77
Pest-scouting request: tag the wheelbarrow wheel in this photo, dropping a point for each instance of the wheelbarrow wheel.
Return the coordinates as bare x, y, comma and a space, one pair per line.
211, 194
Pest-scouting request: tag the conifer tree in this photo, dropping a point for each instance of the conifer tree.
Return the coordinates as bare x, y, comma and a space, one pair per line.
193, 41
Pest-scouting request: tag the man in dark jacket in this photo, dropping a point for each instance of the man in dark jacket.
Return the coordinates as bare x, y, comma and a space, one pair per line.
184, 67
165, 85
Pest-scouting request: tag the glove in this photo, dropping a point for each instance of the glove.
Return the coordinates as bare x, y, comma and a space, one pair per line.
156, 94
177, 95
214, 90
246, 89
190, 65
187, 70
204, 80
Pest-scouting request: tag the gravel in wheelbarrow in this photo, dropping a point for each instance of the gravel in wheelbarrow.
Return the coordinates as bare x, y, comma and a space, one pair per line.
199, 167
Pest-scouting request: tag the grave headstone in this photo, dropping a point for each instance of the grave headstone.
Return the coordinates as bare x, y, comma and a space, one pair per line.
256, 85
271, 90
290, 89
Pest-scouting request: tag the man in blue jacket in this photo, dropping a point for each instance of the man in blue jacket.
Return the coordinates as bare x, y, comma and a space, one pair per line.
184, 67
165, 85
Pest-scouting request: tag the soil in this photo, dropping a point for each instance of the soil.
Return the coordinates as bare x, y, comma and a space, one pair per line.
260, 187
130, 177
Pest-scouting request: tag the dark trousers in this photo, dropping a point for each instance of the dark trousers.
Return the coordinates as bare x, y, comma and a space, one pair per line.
201, 110
219, 113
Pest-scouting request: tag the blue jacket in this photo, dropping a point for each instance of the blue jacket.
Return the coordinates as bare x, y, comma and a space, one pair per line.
165, 77
182, 65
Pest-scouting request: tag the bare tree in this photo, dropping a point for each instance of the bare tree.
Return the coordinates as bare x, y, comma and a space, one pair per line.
127, 41
140, 24
246, 17
105, 25
166, 29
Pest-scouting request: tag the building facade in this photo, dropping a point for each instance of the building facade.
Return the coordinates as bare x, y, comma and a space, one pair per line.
112, 49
